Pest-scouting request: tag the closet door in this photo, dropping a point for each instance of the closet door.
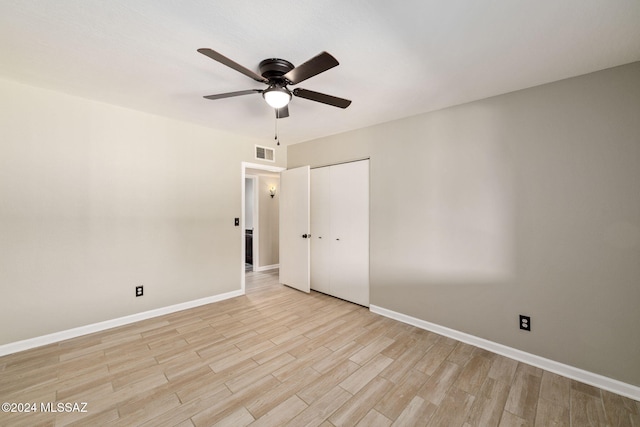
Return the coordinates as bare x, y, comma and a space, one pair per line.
349, 218
321, 230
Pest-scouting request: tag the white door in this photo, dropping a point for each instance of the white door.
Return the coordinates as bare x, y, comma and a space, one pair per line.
321, 267
294, 228
340, 231
350, 231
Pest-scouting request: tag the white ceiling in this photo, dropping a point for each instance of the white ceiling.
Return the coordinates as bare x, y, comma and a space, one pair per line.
397, 59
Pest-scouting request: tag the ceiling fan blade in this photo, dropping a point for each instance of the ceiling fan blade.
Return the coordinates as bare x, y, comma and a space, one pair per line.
229, 63
316, 65
282, 113
230, 94
321, 97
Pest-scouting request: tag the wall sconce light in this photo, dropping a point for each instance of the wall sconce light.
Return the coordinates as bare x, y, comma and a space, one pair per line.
272, 191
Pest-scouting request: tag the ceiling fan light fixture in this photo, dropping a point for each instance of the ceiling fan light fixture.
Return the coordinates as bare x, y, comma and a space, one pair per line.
276, 96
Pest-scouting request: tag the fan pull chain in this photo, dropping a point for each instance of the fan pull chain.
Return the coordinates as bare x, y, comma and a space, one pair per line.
277, 116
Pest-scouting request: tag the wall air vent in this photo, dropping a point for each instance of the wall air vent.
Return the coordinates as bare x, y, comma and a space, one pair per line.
265, 153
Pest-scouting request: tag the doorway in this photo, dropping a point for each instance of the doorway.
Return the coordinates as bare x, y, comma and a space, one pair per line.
259, 218
250, 225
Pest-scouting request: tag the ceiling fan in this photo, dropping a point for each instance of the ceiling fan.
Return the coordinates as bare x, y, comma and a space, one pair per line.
278, 74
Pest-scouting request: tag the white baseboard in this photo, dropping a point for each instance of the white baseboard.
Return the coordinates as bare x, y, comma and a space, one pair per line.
597, 380
267, 267
27, 344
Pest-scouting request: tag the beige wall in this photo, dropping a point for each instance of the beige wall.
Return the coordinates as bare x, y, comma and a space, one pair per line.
525, 203
96, 199
269, 220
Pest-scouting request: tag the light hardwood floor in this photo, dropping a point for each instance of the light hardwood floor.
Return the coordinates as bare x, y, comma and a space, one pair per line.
280, 357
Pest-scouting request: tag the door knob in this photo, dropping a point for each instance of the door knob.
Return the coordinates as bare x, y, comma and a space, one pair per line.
304, 236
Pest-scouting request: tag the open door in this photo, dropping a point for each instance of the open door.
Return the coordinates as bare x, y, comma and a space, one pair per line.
294, 228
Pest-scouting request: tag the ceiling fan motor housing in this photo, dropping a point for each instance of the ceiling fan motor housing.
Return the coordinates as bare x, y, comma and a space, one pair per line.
274, 68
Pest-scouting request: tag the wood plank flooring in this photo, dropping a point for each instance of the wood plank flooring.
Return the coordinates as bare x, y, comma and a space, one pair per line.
277, 357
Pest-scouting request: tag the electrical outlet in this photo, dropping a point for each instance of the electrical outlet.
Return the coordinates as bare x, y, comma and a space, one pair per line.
525, 323
139, 291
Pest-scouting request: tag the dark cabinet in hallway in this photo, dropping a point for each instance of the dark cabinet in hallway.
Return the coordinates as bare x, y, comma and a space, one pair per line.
248, 241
